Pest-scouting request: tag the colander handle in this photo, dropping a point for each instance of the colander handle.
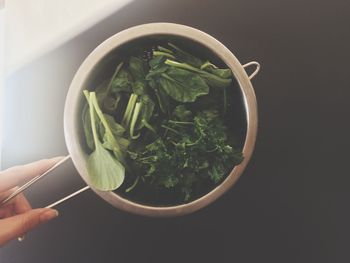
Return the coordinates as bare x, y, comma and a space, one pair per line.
257, 68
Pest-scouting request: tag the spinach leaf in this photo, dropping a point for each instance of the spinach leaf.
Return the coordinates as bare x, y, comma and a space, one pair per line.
138, 70
156, 63
146, 111
162, 97
104, 89
183, 85
117, 129
121, 82
110, 104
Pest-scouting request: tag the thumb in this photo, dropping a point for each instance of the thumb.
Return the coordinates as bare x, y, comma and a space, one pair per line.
16, 226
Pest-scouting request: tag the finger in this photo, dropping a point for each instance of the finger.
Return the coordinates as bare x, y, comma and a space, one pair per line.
18, 225
21, 204
5, 194
18, 204
6, 211
18, 174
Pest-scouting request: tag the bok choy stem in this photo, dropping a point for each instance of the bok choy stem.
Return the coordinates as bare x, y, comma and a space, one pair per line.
129, 109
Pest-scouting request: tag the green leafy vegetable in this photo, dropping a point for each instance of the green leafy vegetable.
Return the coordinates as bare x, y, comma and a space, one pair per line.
137, 69
212, 79
121, 82
157, 126
183, 85
180, 84
106, 173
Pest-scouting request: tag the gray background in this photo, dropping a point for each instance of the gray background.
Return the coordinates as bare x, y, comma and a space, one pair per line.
291, 204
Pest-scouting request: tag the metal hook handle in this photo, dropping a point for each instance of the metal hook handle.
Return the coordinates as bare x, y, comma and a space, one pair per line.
257, 69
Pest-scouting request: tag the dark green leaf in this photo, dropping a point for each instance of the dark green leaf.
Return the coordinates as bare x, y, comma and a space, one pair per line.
156, 62
183, 85
138, 68
102, 92
146, 111
117, 129
162, 97
122, 82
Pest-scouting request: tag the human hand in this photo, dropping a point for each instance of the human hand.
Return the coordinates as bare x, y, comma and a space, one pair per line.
17, 217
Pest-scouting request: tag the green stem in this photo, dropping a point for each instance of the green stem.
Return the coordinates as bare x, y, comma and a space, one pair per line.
135, 115
204, 74
166, 76
182, 65
196, 142
116, 149
160, 48
87, 95
160, 53
181, 122
93, 100
114, 75
129, 109
207, 64
175, 47
92, 118
116, 102
170, 129
133, 185
148, 126
148, 157
213, 150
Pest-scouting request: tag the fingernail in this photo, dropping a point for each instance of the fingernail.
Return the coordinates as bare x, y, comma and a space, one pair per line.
48, 215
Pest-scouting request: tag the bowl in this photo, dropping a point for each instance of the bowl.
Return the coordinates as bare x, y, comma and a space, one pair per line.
100, 64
